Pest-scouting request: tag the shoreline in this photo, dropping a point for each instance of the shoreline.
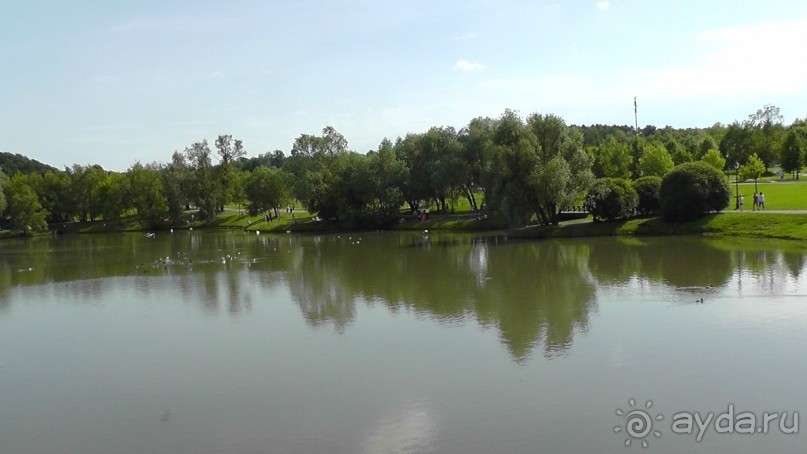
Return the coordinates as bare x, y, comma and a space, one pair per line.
774, 225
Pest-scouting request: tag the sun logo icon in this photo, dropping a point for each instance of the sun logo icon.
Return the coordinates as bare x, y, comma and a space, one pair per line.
638, 423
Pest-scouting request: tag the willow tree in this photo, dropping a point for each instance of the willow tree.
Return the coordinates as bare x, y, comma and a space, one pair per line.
541, 167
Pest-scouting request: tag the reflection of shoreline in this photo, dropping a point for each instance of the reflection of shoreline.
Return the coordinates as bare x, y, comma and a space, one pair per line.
535, 294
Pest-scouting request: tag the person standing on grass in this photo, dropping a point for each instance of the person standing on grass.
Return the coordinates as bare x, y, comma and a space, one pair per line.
756, 202
761, 201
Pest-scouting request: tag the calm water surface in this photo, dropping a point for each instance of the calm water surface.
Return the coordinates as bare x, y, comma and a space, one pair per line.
214, 342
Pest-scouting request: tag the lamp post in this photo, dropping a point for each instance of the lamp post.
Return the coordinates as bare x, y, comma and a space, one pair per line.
737, 184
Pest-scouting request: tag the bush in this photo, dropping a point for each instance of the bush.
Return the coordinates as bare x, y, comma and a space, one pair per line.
611, 199
648, 189
692, 189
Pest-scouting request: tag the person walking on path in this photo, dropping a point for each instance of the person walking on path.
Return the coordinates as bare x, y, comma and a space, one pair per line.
756, 202
742, 202
761, 201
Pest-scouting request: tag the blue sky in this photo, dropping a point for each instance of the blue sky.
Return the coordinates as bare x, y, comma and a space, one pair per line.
114, 82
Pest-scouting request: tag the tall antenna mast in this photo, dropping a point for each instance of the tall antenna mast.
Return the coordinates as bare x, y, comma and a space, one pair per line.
636, 115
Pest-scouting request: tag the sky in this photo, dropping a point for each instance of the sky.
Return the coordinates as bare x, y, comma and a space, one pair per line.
119, 81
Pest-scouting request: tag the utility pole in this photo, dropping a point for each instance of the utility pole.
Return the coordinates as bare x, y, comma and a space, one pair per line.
636, 115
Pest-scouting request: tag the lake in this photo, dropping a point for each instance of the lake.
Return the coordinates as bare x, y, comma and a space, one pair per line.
227, 342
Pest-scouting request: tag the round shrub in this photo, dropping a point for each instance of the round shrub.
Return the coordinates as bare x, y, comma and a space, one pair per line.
692, 189
648, 190
611, 199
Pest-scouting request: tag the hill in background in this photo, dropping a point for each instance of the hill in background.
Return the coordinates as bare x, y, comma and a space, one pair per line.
11, 163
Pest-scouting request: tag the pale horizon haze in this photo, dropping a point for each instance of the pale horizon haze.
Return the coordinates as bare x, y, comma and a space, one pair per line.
115, 82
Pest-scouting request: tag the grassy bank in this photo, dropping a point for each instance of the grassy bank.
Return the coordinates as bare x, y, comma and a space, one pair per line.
760, 225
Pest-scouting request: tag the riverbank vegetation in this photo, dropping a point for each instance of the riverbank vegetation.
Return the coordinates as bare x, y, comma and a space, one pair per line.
508, 170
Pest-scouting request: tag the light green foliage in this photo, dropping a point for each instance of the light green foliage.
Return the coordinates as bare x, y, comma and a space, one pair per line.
637, 147
55, 196
3, 184
82, 187
656, 161
753, 169
114, 195
713, 158
147, 194
265, 189
613, 159
23, 205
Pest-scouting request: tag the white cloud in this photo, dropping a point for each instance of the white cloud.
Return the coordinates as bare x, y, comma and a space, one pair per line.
465, 65
730, 64
742, 61
603, 4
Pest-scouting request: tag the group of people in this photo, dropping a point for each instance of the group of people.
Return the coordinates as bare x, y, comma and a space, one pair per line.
759, 202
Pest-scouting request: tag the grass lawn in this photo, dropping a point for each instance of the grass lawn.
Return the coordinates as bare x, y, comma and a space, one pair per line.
787, 195
762, 225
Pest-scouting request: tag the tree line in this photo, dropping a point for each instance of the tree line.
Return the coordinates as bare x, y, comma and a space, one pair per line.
522, 168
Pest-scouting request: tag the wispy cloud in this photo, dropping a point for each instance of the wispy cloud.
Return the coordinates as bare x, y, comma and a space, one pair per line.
465, 65
465, 37
603, 4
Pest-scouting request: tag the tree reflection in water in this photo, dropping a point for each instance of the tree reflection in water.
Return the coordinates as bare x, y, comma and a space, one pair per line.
535, 294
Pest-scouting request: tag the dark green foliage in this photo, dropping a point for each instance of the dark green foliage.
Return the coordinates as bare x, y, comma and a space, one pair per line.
265, 190
691, 190
792, 153
611, 199
11, 163
647, 188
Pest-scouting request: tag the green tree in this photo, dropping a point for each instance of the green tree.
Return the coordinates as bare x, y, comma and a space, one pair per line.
767, 131
613, 159
655, 160
792, 154
113, 193
678, 152
3, 184
265, 189
708, 143
147, 194
23, 205
55, 196
82, 187
205, 189
736, 143
713, 158
388, 174
611, 199
647, 189
541, 168
692, 189
754, 168
229, 151
178, 182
